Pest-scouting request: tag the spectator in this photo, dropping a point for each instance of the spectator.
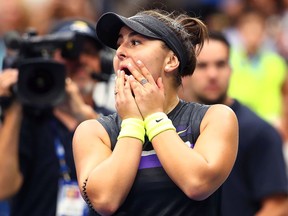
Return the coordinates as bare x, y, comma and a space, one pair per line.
13, 16
257, 184
52, 11
258, 73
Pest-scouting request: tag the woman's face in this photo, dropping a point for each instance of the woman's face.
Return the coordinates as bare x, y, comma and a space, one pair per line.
133, 46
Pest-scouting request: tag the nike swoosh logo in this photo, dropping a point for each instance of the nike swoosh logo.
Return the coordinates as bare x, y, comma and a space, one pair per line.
158, 120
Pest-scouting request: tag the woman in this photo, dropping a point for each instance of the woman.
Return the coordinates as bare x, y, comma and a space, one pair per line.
157, 155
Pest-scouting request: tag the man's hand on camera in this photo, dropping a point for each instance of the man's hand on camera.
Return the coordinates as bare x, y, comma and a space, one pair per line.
8, 78
77, 104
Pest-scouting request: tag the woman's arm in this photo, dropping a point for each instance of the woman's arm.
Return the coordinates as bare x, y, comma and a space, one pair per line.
110, 174
198, 172
201, 170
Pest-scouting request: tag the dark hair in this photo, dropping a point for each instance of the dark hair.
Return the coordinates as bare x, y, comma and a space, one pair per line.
219, 36
191, 32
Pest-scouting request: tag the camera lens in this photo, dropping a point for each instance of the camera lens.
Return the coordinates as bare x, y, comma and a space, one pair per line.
40, 81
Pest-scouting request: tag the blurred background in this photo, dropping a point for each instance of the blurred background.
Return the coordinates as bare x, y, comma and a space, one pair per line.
217, 14
267, 33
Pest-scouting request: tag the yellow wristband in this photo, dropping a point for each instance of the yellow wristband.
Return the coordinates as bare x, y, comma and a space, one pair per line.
132, 127
156, 124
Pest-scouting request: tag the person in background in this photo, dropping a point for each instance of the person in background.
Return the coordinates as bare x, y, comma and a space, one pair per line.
13, 17
50, 12
157, 155
257, 184
259, 74
37, 170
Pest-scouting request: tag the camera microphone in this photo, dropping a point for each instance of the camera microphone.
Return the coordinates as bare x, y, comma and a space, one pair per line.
12, 40
106, 61
101, 77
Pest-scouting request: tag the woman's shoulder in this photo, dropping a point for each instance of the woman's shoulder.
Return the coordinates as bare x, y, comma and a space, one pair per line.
193, 108
196, 110
221, 109
109, 120
220, 114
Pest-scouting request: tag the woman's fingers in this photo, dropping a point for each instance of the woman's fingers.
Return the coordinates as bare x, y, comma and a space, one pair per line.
135, 85
140, 73
147, 77
125, 102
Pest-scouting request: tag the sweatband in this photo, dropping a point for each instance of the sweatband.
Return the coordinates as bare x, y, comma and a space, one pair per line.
132, 127
156, 124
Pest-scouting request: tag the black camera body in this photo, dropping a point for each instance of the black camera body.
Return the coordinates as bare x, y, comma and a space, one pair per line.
41, 80
41, 83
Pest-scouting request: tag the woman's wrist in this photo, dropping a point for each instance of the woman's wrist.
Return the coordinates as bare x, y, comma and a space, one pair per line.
132, 127
157, 123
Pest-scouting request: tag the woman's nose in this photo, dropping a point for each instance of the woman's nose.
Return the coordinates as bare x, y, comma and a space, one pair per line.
121, 52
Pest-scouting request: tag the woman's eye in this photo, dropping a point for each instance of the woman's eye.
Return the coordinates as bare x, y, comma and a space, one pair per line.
135, 42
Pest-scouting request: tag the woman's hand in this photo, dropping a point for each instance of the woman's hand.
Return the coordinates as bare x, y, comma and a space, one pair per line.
124, 100
149, 95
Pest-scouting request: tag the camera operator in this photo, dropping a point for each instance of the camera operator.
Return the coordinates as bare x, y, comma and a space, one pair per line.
37, 171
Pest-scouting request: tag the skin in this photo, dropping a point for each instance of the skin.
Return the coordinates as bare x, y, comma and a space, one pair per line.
209, 84
76, 108
198, 172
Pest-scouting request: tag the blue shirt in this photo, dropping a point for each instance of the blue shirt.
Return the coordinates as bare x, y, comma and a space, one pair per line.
259, 170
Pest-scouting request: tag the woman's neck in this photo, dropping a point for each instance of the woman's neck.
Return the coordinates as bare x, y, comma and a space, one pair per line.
171, 103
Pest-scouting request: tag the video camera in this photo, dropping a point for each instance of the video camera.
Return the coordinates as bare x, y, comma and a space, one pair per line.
41, 80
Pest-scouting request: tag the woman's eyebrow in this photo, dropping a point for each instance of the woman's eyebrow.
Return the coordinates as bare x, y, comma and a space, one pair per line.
131, 34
